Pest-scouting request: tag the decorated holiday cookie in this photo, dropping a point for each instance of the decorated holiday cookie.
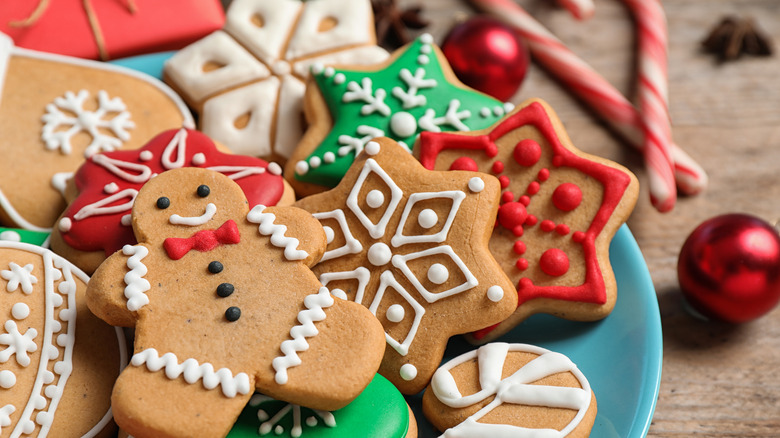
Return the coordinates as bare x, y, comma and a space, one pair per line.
97, 221
411, 245
223, 303
559, 210
247, 81
379, 411
55, 111
26, 236
58, 362
413, 92
510, 390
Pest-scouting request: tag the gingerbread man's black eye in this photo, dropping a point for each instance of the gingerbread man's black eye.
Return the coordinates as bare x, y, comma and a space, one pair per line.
203, 190
163, 202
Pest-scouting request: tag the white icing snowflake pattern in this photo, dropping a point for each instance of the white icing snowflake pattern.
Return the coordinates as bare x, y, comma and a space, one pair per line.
19, 275
67, 116
17, 344
271, 424
5, 416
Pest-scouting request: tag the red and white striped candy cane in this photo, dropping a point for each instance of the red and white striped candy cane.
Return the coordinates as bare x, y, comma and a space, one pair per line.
591, 87
581, 9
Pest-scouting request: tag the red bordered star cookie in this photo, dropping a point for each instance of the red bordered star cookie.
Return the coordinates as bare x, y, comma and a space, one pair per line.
411, 245
560, 209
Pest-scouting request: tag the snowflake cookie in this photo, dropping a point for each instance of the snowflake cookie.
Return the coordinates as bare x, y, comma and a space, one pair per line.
53, 378
59, 110
559, 210
516, 390
97, 221
411, 245
223, 302
247, 81
379, 411
413, 92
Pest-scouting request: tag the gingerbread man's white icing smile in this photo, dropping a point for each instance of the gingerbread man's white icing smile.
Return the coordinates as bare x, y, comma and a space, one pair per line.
194, 221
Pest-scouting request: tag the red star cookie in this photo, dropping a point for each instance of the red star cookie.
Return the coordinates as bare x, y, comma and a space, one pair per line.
560, 209
223, 303
411, 245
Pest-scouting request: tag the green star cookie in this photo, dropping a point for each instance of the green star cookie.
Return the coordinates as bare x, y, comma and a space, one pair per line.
414, 91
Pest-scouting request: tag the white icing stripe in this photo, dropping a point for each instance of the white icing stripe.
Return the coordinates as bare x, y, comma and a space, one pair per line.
6, 49
314, 312
192, 371
278, 239
177, 144
136, 285
516, 389
238, 172
194, 221
117, 167
99, 207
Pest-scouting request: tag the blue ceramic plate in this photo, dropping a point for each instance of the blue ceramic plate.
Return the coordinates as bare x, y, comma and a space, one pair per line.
620, 356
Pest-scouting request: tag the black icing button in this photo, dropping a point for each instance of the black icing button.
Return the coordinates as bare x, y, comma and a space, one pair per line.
203, 190
224, 290
232, 314
215, 267
163, 202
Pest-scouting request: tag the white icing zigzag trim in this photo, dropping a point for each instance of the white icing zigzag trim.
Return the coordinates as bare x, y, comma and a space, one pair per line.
193, 371
278, 239
137, 285
315, 303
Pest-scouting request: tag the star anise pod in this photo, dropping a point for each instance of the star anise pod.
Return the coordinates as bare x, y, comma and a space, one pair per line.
734, 36
392, 23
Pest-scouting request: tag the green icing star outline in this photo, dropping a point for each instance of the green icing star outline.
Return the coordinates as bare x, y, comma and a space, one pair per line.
362, 111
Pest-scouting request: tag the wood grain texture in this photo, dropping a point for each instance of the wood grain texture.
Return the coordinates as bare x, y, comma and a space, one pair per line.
718, 380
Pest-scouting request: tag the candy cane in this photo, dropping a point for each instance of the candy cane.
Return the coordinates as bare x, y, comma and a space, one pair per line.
591, 87
581, 9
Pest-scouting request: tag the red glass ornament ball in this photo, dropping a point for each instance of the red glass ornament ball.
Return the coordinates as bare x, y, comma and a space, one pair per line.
729, 268
487, 55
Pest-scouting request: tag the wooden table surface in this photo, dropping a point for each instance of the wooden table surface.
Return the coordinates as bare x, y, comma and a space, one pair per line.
718, 380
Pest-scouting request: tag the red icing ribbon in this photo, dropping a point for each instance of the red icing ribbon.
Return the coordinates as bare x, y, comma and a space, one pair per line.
203, 240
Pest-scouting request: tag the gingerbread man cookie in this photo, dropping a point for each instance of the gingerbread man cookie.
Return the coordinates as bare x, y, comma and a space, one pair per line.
97, 221
560, 209
515, 390
58, 362
247, 81
224, 303
55, 112
411, 245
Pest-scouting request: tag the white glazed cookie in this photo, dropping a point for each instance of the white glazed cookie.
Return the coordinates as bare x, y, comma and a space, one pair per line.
58, 362
510, 390
248, 80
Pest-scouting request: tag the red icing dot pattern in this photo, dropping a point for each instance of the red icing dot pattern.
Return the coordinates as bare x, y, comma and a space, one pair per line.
497, 167
527, 153
554, 262
464, 163
567, 197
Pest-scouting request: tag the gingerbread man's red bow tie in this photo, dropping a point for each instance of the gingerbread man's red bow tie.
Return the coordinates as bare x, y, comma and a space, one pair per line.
203, 240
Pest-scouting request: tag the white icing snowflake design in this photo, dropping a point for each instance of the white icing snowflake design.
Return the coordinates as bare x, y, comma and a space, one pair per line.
67, 116
271, 424
18, 275
17, 343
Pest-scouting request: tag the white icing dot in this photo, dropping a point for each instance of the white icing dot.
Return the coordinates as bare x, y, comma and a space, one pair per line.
52, 391
311, 421
64, 225
329, 157
499, 110
395, 313
408, 371
199, 159
278, 430
427, 218
39, 402
62, 367
426, 38
375, 198
43, 418
403, 124
379, 254
110, 188
372, 148
495, 293
20, 311
508, 107
56, 326
146, 155
476, 184
10, 236
317, 68
329, 234
274, 168
48, 377
281, 67
262, 415
301, 167
56, 300
62, 339
315, 162
484, 112
27, 426
329, 71
338, 293
66, 314
438, 273
423, 59
7, 379
339, 78
425, 49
